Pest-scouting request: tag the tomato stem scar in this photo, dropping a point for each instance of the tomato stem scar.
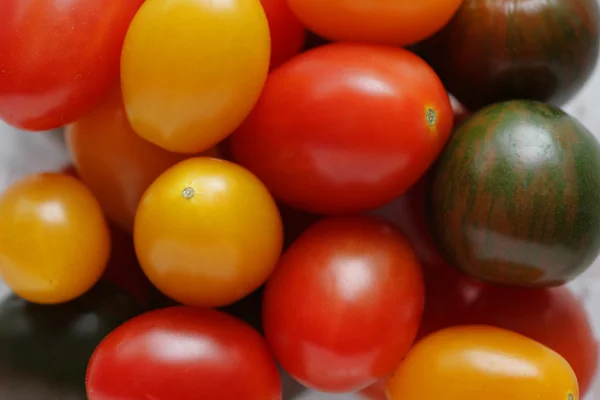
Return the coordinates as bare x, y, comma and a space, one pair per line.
188, 192
431, 116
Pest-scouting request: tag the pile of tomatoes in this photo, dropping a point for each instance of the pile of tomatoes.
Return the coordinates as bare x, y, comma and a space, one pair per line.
250, 191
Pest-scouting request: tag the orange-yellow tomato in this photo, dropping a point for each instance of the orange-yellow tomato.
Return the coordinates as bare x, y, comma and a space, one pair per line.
114, 162
207, 232
192, 70
54, 241
480, 362
397, 22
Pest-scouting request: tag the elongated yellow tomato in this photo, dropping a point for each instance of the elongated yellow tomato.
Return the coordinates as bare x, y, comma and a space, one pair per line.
54, 241
207, 232
480, 362
191, 70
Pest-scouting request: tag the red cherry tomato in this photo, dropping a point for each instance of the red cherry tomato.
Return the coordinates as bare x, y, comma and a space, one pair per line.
345, 127
344, 304
287, 33
57, 58
183, 353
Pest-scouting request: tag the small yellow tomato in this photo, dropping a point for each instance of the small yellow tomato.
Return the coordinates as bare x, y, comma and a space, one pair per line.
207, 232
115, 163
480, 362
191, 70
54, 241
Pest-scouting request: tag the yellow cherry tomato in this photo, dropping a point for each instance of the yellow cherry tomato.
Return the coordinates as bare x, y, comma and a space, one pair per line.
115, 163
54, 241
207, 232
192, 70
480, 362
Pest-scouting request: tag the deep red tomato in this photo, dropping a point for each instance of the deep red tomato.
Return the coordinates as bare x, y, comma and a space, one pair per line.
553, 317
57, 58
287, 33
345, 127
183, 353
344, 304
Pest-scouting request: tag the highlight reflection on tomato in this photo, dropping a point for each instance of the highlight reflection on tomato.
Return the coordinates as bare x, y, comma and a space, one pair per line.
54, 241
183, 353
192, 70
207, 232
344, 304
57, 58
396, 118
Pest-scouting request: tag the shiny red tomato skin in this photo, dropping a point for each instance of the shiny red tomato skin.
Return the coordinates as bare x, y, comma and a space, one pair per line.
344, 127
287, 33
57, 58
183, 353
344, 304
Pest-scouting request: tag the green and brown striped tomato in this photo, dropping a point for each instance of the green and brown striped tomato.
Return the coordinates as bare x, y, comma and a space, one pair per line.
497, 50
516, 195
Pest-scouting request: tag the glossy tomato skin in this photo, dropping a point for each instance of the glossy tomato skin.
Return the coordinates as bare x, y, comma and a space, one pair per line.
344, 304
114, 162
385, 21
183, 353
482, 362
287, 33
52, 71
44, 350
396, 119
553, 317
214, 59
54, 240
207, 232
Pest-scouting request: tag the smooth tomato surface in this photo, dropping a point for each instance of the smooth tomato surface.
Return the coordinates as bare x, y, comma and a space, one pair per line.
192, 70
183, 353
485, 363
114, 162
207, 232
287, 33
344, 304
345, 127
396, 22
58, 58
54, 241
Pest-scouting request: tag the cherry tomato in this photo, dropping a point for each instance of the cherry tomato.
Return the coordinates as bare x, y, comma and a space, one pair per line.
114, 162
553, 317
344, 304
54, 241
213, 59
207, 232
363, 124
383, 21
44, 350
58, 59
183, 353
484, 363
287, 33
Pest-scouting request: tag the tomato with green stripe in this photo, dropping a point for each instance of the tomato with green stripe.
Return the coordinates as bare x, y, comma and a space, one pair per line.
498, 50
515, 195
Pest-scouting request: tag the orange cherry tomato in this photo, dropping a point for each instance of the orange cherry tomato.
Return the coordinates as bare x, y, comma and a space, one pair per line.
287, 33
54, 241
398, 22
114, 162
481, 362
207, 232
192, 70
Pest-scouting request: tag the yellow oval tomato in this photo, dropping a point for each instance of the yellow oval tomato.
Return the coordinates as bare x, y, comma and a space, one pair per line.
207, 232
192, 70
396, 22
114, 162
54, 241
480, 362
